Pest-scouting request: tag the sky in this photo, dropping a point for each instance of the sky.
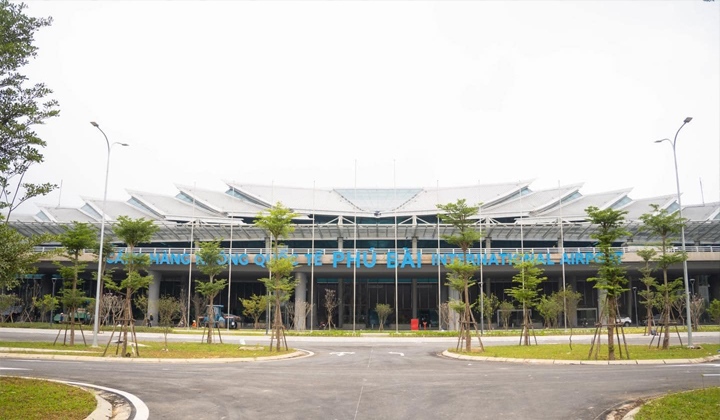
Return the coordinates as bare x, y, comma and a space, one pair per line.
379, 94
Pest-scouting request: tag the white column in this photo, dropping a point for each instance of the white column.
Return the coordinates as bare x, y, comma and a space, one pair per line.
454, 317
154, 296
300, 299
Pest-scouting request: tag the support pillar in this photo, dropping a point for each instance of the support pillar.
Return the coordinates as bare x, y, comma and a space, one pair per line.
454, 317
154, 296
300, 299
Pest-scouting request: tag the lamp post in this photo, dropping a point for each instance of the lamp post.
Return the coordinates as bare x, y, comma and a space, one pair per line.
96, 322
637, 322
682, 231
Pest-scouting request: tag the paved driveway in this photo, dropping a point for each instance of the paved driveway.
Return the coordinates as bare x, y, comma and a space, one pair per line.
372, 378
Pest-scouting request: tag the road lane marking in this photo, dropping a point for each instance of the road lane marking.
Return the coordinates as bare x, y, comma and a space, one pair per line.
341, 353
397, 352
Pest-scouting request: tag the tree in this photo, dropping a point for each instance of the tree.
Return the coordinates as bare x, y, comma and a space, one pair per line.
209, 256
460, 269
132, 232
17, 255
549, 308
330, 305
74, 242
490, 305
444, 314
169, 308
383, 310
526, 290
142, 303
714, 311
47, 303
277, 222
648, 297
7, 302
254, 307
303, 309
611, 278
697, 308
568, 301
659, 223
505, 308
22, 107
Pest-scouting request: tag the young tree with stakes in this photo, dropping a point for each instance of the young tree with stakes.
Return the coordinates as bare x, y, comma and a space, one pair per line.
169, 308
74, 241
132, 232
660, 223
526, 291
278, 223
209, 262
461, 271
611, 278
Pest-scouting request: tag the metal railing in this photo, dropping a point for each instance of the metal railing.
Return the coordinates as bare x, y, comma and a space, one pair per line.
382, 251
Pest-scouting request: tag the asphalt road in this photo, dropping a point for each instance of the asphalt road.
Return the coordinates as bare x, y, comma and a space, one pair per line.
370, 378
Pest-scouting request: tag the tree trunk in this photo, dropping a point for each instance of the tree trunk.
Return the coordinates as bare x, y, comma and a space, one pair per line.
466, 319
611, 328
128, 319
526, 325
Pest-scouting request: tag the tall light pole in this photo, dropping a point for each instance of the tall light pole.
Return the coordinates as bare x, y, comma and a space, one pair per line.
682, 232
96, 323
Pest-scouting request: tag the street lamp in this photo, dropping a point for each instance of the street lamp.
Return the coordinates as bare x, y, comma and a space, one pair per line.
637, 322
682, 231
96, 323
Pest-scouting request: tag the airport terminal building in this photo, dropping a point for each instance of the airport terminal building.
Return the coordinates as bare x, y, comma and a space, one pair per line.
385, 245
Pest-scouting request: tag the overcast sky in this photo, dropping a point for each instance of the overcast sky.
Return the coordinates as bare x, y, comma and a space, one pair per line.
379, 94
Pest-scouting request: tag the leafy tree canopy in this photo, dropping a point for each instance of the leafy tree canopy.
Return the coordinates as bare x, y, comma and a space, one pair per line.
22, 106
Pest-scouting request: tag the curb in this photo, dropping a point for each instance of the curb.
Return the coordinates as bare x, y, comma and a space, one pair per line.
104, 409
31, 356
452, 355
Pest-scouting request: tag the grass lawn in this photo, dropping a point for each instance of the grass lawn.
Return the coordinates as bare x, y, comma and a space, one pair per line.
700, 404
580, 352
152, 350
30, 399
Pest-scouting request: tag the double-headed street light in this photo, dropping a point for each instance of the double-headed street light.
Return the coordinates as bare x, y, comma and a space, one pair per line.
682, 231
96, 323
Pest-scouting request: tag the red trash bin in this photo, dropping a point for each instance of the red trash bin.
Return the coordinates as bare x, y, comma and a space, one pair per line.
414, 324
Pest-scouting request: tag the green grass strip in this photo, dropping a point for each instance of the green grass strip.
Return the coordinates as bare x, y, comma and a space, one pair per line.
32, 399
701, 404
580, 352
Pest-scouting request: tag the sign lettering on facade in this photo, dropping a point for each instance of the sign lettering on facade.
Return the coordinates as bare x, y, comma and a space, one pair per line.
404, 259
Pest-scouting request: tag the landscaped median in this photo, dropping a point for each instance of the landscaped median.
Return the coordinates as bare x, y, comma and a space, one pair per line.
150, 351
579, 354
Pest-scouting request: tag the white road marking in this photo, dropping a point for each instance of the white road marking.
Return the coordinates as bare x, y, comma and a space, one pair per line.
342, 353
396, 352
4, 368
141, 410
